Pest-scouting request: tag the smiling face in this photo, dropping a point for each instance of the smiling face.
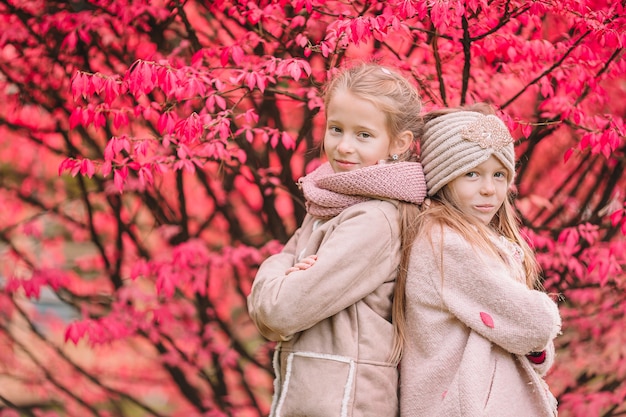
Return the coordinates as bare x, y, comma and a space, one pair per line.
356, 133
482, 191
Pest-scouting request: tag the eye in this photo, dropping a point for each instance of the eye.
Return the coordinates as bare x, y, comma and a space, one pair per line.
500, 174
334, 129
471, 174
364, 135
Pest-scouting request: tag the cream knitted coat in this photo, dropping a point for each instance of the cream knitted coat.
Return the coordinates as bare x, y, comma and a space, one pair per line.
470, 325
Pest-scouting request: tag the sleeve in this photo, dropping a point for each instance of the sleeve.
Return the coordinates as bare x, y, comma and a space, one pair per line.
477, 290
543, 366
356, 257
274, 264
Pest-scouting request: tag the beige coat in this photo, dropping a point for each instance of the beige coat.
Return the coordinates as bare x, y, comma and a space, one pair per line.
333, 320
470, 326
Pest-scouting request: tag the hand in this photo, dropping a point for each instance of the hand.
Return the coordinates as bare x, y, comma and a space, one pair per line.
303, 264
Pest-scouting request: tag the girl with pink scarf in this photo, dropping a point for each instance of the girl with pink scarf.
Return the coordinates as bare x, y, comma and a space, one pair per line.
327, 297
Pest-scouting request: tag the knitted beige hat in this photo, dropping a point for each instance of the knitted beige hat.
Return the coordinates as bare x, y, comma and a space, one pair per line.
455, 143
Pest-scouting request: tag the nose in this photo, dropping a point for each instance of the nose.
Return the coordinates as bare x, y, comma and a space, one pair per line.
487, 187
344, 145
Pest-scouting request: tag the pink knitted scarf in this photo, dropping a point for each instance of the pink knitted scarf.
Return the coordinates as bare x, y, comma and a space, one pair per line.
328, 193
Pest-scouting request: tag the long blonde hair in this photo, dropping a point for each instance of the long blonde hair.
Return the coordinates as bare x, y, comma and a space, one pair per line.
399, 100
442, 211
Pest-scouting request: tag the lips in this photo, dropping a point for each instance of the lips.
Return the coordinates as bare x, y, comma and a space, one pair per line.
485, 208
345, 164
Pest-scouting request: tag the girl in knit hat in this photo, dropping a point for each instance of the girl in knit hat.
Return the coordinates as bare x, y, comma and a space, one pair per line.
478, 331
327, 297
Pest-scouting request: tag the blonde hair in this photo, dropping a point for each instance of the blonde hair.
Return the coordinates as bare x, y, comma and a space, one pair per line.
399, 100
443, 210
390, 92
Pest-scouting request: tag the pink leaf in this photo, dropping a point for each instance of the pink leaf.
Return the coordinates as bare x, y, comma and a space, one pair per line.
120, 119
166, 123
118, 179
287, 141
237, 54
615, 217
107, 166
220, 102
87, 168
224, 57
78, 86
75, 331
76, 117
67, 164
487, 319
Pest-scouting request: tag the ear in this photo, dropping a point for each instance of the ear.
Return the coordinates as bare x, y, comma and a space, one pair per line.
402, 143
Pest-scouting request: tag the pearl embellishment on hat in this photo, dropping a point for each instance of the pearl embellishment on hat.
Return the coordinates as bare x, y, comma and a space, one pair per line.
488, 132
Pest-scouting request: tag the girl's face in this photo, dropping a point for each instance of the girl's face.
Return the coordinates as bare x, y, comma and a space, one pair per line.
482, 191
356, 133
